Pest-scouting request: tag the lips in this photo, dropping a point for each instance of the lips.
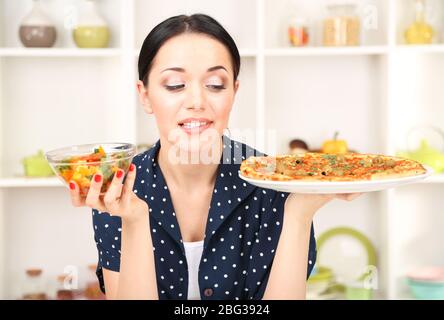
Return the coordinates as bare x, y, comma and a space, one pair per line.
193, 125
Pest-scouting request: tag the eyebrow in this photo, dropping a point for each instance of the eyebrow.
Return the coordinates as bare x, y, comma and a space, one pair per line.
183, 70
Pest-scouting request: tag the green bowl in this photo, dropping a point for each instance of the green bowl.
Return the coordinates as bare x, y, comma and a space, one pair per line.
37, 166
426, 290
320, 281
322, 274
357, 291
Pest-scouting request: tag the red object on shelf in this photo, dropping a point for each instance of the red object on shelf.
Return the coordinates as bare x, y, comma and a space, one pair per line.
298, 33
435, 274
298, 36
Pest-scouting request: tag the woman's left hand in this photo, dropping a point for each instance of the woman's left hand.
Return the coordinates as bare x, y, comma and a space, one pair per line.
308, 204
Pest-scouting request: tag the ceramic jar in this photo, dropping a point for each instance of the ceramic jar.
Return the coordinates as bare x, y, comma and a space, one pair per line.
36, 29
91, 30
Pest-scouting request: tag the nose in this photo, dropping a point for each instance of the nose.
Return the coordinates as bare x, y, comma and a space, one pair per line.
196, 97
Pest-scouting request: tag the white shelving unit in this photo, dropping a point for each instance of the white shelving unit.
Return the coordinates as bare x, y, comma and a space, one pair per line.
58, 52
373, 94
326, 51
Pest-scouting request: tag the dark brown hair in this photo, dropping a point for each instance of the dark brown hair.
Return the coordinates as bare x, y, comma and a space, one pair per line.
171, 27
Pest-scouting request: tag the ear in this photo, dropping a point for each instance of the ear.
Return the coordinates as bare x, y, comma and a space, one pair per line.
236, 86
143, 97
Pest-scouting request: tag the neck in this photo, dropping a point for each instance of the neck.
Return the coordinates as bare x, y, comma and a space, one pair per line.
189, 175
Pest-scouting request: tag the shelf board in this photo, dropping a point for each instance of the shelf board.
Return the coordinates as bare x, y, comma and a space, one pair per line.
436, 178
244, 53
59, 52
431, 48
326, 51
247, 53
24, 182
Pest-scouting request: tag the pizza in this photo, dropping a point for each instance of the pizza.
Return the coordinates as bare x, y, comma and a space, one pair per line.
312, 166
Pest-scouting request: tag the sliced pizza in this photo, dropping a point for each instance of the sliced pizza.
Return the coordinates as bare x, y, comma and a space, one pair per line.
329, 167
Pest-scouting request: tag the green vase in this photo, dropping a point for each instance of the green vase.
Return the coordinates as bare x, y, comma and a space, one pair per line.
91, 36
91, 31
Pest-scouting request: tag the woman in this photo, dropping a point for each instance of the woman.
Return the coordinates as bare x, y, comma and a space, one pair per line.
182, 224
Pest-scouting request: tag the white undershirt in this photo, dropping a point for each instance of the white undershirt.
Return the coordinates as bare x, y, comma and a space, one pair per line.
193, 253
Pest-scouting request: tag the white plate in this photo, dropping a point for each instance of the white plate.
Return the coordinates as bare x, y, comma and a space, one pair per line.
324, 187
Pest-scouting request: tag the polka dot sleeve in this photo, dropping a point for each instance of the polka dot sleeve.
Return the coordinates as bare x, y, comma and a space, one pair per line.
107, 232
311, 252
266, 242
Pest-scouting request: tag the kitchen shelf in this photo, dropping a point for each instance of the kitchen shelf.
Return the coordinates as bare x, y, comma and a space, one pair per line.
437, 178
360, 50
433, 48
372, 93
59, 52
248, 53
62, 14
24, 182
326, 51
244, 53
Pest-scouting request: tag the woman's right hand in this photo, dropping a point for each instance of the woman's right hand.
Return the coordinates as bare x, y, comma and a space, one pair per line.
119, 199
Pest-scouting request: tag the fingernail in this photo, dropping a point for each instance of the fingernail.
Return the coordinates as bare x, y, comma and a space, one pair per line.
97, 178
119, 173
132, 166
72, 185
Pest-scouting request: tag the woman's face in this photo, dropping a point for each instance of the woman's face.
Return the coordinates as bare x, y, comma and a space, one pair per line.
190, 91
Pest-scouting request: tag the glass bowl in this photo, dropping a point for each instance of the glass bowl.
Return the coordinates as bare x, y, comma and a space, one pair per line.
80, 163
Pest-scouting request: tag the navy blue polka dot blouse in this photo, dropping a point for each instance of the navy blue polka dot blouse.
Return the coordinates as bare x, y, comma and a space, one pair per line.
241, 236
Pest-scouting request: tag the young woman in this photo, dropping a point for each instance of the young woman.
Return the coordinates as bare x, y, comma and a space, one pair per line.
175, 228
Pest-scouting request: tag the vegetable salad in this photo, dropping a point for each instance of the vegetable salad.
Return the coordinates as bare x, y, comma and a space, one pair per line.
81, 169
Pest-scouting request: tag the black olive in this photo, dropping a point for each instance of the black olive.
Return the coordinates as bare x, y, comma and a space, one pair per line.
298, 161
324, 173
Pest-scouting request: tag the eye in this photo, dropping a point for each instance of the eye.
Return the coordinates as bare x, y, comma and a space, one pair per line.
174, 87
216, 87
